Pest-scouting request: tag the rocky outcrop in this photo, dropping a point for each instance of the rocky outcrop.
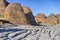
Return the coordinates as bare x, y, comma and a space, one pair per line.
14, 13
3, 5
29, 15
51, 19
40, 18
30, 33
58, 17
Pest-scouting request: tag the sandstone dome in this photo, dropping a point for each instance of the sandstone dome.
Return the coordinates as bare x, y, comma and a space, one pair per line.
26, 9
51, 19
14, 13
40, 18
29, 15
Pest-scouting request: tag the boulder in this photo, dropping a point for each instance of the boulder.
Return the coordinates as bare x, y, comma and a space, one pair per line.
52, 19
29, 15
15, 14
40, 18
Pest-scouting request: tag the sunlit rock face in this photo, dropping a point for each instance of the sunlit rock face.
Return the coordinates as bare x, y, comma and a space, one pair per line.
58, 17
23, 32
40, 18
14, 13
29, 15
3, 5
51, 19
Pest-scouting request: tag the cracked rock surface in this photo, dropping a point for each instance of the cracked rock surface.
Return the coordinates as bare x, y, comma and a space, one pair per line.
30, 33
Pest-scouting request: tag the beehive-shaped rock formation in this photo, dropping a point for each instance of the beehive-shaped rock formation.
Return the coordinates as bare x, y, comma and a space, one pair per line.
29, 15
14, 13
51, 19
40, 18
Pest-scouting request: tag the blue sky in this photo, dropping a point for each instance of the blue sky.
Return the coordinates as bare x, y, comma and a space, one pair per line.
40, 6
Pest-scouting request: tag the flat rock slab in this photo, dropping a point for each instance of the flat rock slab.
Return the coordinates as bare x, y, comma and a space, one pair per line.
30, 33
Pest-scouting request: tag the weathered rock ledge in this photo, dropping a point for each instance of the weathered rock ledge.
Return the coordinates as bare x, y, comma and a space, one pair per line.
30, 33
